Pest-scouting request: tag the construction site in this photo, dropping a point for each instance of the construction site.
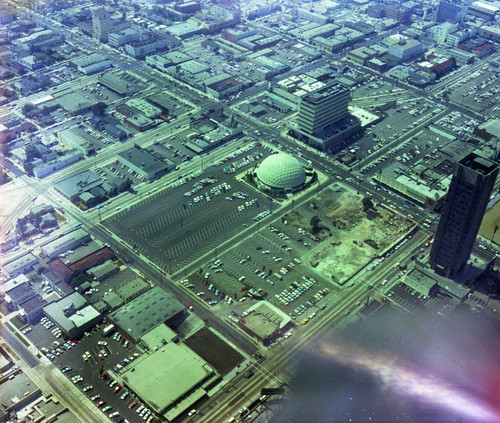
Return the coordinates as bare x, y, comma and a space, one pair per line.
349, 234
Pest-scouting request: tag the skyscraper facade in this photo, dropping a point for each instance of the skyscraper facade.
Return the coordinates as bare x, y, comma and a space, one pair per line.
451, 10
463, 212
102, 24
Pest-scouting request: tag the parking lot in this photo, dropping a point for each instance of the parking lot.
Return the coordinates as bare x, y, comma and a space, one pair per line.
86, 360
267, 265
199, 215
478, 91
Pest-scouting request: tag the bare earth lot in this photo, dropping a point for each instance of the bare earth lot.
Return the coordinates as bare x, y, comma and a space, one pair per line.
350, 238
491, 219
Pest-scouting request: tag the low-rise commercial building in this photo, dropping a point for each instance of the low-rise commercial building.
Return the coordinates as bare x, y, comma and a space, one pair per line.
52, 166
144, 163
65, 243
132, 289
145, 312
93, 259
143, 107
406, 49
19, 266
223, 89
72, 314
142, 48
421, 283
92, 63
72, 187
12, 283
189, 379
122, 83
128, 35
75, 103
427, 187
265, 322
103, 270
78, 139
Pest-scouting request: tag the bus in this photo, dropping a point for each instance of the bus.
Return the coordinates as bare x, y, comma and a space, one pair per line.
108, 329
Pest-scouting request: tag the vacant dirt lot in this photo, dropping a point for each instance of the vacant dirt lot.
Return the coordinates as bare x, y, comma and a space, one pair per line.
490, 221
350, 237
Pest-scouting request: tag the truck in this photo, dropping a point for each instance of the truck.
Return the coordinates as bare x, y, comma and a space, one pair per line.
108, 329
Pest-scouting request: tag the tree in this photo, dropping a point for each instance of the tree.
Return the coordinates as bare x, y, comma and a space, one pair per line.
5, 149
315, 225
28, 168
98, 109
127, 184
27, 108
31, 153
494, 232
367, 204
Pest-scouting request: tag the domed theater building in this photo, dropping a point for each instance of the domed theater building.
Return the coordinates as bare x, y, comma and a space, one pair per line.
282, 173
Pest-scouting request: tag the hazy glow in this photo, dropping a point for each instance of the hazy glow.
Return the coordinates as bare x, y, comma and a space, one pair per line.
407, 382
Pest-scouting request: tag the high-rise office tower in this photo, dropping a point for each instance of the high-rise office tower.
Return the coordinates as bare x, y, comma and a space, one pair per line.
463, 211
322, 108
454, 10
102, 24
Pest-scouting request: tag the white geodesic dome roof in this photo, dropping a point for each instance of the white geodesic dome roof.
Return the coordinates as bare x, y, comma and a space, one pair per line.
281, 171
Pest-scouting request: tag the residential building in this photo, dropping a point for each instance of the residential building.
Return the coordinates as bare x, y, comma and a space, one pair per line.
31, 310
20, 293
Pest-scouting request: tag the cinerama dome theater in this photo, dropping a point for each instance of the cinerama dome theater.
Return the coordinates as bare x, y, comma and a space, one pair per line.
282, 173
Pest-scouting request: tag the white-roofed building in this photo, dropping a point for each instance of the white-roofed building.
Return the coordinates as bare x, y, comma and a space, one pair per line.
282, 173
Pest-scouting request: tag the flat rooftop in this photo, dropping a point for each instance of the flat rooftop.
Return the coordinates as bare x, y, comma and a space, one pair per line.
144, 160
182, 368
325, 92
478, 164
146, 311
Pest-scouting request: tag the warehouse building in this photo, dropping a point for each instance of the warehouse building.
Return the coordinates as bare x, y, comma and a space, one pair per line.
144, 163
92, 63
19, 265
122, 83
170, 380
146, 312
66, 242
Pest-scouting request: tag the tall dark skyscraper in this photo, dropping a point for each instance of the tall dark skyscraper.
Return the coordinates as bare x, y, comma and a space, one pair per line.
463, 211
